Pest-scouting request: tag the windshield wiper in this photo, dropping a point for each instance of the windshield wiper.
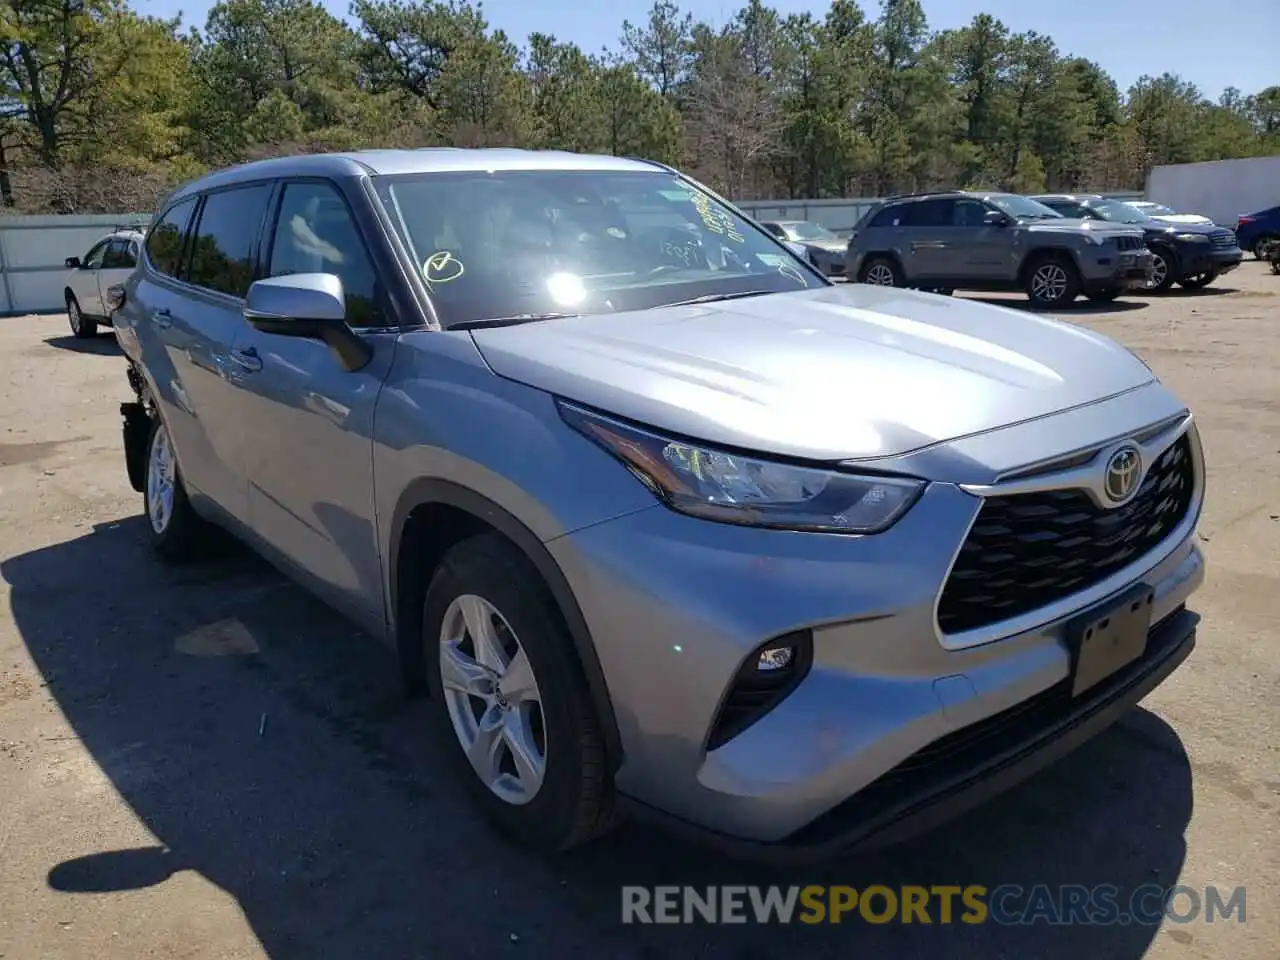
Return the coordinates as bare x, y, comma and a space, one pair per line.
714, 297
510, 321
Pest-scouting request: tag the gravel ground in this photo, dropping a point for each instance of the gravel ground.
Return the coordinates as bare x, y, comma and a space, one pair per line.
208, 763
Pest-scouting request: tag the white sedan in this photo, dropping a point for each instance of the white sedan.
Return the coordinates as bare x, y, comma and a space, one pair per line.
109, 261
1158, 211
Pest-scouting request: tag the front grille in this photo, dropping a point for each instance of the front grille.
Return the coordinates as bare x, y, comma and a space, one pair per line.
1130, 243
1223, 240
1027, 550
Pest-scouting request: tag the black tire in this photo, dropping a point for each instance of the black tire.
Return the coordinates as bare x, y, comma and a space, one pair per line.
183, 536
82, 327
1051, 290
880, 266
1105, 295
1164, 278
1259, 245
574, 803
1198, 282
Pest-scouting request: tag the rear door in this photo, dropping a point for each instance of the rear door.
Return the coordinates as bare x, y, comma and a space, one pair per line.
933, 252
118, 262
306, 421
195, 312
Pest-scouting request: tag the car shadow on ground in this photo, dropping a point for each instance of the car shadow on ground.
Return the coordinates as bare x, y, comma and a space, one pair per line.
1079, 307
104, 344
265, 745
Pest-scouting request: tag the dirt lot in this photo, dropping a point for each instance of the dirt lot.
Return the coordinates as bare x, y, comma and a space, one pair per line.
207, 763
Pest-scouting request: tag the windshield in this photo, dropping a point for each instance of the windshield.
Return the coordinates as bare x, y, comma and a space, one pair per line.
1023, 208
1117, 212
529, 243
804, 230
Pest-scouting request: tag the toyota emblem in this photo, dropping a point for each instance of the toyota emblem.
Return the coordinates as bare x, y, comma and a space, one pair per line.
1123, 473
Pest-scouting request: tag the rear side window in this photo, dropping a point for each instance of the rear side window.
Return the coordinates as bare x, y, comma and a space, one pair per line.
315, 233
891, 216
221, 256
118, 256
930, 213
164, 242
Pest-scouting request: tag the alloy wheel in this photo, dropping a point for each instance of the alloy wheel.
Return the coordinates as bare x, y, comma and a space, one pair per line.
73, 314
1159, 271
493, 699
881, 275
161, 478
1049, 283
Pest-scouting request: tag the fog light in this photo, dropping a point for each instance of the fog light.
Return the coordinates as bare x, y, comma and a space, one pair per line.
775, 658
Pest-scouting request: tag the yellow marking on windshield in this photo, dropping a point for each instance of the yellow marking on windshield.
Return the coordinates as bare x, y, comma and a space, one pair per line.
441, 267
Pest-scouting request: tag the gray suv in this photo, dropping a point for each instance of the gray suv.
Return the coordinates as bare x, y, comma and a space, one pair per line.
995, 242
662, 519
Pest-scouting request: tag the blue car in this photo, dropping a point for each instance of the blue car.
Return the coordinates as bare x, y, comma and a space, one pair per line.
1255, 229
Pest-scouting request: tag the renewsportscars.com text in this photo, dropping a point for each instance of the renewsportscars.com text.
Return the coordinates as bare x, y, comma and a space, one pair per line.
1007, 904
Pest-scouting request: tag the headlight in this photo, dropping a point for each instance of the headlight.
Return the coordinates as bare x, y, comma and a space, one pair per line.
1191, 237
1094, 239
731, 488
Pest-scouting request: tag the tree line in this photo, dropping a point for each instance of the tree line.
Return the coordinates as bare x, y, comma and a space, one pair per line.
104, 109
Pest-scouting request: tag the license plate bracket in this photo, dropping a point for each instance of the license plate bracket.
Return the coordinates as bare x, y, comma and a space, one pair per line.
1105, 640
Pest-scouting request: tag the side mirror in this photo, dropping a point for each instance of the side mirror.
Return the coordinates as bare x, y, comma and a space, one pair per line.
72, 262
312, 306
994, 218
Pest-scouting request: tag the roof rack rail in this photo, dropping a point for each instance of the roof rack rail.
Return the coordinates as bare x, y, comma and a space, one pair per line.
921, 193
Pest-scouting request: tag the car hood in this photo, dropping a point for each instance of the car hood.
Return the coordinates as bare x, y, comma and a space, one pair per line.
827, 246
1184, 218
840, 372
1073, 225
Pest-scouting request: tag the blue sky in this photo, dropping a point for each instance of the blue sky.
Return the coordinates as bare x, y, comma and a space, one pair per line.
1213, 45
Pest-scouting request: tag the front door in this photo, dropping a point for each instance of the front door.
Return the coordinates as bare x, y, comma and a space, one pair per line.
84, 280
985, 250
308, 422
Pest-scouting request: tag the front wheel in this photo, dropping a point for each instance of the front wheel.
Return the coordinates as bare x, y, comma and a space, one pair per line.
82, 328
509, 692
1105, 295
1164, 270
1198, 282
1052, 282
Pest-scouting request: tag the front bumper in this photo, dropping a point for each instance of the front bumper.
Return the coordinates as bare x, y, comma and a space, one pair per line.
676, 605
1203, 260
1128, 270
960, 772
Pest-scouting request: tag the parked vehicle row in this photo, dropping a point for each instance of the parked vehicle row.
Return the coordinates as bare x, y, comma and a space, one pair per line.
663, 519
1054, 247
1191, 255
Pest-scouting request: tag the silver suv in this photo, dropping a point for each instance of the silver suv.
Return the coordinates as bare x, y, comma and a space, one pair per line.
662, 519
995, 242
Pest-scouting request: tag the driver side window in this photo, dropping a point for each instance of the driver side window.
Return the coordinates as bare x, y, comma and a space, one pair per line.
93, 259
315, 233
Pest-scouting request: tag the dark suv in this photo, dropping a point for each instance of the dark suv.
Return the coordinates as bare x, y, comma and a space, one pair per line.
995, 241
1192, 255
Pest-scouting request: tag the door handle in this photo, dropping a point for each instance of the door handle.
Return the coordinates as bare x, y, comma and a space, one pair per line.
162, 318
247, 359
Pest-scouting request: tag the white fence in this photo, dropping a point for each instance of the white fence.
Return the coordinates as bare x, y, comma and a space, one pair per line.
33, 249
